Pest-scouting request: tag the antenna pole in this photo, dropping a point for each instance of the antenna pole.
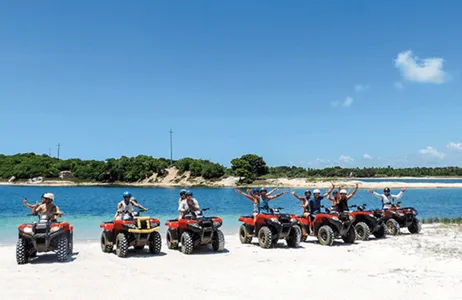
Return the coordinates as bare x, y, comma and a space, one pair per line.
59, 146
171, 147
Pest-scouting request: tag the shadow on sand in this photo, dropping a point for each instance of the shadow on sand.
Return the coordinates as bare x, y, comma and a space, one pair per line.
51, 258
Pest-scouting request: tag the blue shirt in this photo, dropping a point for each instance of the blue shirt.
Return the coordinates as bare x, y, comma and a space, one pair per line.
315, 205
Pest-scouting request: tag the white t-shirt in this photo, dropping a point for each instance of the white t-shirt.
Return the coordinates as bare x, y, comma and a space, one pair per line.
184, 205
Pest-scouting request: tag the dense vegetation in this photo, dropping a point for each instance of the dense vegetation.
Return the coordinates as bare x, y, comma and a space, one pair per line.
248, 168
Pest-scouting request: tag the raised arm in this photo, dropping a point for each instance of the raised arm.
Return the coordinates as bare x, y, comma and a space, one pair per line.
330, 191
298, 197
276, 196
251, 198
139, 206
354, 192
396, 197
377, 195
272, 191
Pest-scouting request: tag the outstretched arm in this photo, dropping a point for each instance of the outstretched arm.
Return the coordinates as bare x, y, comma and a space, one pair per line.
58, 211
276, 196
251, 198
330, 191
139, 206
399, 195
272, 191
377, 195
298, 197
354, 192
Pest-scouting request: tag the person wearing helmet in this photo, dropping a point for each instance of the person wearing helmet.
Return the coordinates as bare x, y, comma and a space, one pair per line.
48, 208
182, 196
335, 198
127, 205
188, 205
265, 198
305, 200
341, 204
387, 198
314, 205
254, 196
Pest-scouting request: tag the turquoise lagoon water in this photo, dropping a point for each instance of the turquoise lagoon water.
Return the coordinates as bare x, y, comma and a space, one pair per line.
87, 207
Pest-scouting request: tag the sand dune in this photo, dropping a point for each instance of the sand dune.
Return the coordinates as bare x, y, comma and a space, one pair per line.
425, 266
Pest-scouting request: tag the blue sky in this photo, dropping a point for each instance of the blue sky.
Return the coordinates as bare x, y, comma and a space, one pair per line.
303, 83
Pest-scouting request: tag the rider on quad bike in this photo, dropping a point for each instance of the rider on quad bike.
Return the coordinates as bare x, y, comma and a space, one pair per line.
129, 229
269, 225
192, 229
368, 222
45, 235
396, 216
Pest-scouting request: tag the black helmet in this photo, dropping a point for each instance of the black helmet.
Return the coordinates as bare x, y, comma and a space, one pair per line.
386, 190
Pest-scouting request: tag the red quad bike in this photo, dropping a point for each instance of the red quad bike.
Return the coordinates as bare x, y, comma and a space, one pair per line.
131, 230
269, 228
195, 230
328, 226
368, 222
44, 236
397, 217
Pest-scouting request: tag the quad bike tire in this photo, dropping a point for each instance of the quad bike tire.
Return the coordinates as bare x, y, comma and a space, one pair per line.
362, 231
104, 247
326, 235
155, 243
265, 237
392, 227
218, 241
121, 245
243, 235
170, 243
21, 252
350, 236
187, 245
415, 227
294, 238
70, 249
62, 250
381, 232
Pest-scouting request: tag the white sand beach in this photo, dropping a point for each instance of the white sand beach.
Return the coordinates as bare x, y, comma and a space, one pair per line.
425, 266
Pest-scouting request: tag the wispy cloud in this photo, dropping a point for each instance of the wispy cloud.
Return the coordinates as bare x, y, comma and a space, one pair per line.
454, 146
367, 156
345, 159
361, 87
431, 152
428, 70
348, 101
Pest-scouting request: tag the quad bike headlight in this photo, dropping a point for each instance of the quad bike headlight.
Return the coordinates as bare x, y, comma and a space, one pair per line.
293, 220
195, 225
216, 224
27, 230
154, 224
335, 218
275, 220
54, 229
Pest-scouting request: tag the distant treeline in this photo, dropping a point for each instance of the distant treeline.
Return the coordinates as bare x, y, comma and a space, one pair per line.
248, 168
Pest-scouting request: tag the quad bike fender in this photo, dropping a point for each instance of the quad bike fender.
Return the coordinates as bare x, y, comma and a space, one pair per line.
107, 226
172, 225
247, 220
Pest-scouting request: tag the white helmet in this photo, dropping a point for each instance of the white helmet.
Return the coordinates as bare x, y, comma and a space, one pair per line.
49, 196
316, 191
343, 191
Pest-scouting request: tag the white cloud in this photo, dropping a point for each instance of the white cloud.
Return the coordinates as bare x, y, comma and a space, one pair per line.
345, 158
367, 156
454, 146
399, 85
348, 101
428, 70
361, 87
345, 103
431, 152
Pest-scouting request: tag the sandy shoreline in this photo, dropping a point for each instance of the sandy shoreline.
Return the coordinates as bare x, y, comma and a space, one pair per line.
280, 182
425, 266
